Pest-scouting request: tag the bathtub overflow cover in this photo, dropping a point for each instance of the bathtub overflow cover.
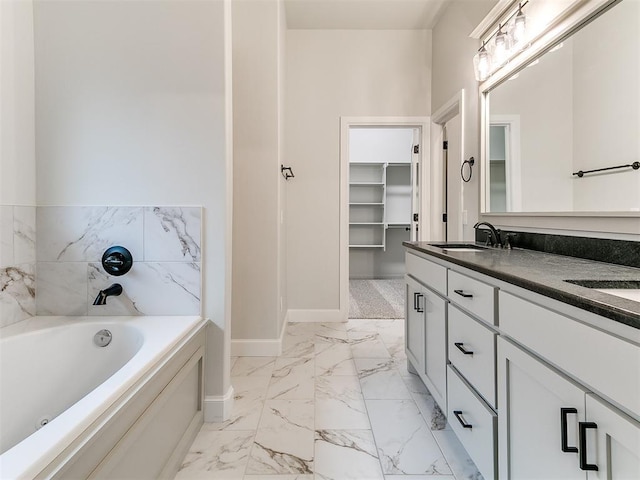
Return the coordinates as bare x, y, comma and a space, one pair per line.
102, 338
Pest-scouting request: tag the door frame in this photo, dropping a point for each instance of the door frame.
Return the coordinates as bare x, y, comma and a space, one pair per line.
424, 211
451, 108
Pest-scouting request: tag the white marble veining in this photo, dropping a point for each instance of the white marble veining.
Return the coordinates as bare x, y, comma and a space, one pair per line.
458, 459
351, 439
6, 236
405, 444
172, 234
367, 345
285, 438
249, 394
380, 379
293, 378
82, 234
62, 288
24, 235
149, 288
346, 455
17, 293
340, 404
256, 366
217, 454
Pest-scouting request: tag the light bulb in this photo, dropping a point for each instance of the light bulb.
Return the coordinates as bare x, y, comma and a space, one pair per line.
519, 26
500, 49
482, 63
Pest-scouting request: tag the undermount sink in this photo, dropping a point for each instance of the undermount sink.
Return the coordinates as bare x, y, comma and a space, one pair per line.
629, 289
459, 247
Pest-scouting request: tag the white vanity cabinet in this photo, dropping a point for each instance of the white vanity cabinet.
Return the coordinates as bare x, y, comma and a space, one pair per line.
426, 324
552, 409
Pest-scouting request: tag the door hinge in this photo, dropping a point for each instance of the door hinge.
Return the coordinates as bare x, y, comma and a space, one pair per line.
444, 217
445, 145
415, 217
416, 149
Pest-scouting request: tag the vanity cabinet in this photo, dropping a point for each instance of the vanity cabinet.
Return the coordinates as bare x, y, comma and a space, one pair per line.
552, 427
426, 324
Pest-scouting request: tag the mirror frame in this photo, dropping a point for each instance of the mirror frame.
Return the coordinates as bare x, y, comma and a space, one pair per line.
626, 224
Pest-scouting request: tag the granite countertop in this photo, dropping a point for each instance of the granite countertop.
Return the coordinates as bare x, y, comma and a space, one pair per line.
545, 273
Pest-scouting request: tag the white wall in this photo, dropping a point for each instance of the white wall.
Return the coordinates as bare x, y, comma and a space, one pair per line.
131, 110
17, 136
334, 73
257, 83
606, 117
546, 148
453, 51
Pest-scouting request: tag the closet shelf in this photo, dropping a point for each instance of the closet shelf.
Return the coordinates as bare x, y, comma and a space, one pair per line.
376, 204
366, 246
366, 223
366, 184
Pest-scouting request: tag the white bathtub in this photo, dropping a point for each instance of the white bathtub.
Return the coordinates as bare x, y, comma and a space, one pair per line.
52, 371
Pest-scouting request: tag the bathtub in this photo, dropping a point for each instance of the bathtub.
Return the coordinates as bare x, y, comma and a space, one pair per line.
72, 409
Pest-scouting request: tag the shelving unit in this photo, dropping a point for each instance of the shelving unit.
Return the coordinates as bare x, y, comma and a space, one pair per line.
379, 199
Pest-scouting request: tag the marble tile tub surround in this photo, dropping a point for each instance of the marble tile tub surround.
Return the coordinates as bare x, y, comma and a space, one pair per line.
619, 252
17, 263
165, 243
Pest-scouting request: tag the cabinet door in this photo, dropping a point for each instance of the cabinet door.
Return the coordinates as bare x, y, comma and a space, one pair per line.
612, 442
414, 323
435, 355
531, 429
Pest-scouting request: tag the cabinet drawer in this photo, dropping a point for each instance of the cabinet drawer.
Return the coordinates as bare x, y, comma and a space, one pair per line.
478, 364
479, 438
473, 295
608, 364
429, 273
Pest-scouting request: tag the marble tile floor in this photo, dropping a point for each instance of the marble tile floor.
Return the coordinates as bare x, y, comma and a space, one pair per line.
338, 404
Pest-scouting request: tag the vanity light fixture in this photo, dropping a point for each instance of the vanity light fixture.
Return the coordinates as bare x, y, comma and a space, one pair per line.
507, 39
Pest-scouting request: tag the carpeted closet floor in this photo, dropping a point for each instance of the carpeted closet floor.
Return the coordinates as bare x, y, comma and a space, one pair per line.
376, 298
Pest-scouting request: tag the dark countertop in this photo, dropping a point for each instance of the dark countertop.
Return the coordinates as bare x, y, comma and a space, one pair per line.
544, 273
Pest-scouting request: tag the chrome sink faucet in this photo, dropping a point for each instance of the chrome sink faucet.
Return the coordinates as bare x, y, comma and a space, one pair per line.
112, 291
497, 241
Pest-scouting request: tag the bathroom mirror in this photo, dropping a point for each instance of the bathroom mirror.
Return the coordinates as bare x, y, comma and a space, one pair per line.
574, 108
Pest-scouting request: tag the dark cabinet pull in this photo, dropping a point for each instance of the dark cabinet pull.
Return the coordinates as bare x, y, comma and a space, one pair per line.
462, 294
415, 300
583, 426
460, 347
419, 310
458, 414
563, 430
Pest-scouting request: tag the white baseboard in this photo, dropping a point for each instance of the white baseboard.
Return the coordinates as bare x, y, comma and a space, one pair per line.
217, 408
257, 347
323, 316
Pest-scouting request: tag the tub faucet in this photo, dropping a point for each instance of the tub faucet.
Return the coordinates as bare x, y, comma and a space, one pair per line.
113, 290
494, 232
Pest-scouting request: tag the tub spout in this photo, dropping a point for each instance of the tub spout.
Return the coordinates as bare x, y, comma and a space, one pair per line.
113, 290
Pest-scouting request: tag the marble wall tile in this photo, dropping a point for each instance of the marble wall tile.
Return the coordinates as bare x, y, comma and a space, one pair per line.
405, 444
62, 288
17, 293
82, 234
6, 236
172, 234
347, 455
24, 235
149, 288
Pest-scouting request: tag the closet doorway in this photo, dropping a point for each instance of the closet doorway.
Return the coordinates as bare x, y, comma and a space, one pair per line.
382, 162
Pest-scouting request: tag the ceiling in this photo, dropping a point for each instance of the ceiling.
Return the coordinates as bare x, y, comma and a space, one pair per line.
363, 14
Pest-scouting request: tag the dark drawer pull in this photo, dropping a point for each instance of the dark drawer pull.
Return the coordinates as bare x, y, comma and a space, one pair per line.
458, 414
459, 346
415, 300
563, 430
419, 310
583, 426
462, 294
